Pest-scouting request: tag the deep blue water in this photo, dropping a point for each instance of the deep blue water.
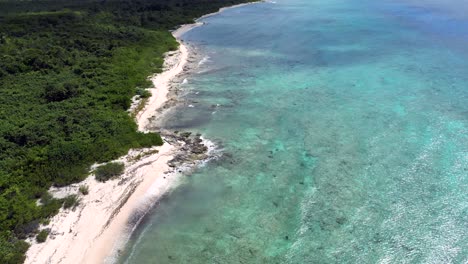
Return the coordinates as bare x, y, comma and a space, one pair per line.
343, 125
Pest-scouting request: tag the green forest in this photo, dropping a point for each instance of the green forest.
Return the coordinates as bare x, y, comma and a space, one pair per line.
68, 71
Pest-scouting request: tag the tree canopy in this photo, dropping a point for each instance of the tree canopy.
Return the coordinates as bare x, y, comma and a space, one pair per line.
68, 71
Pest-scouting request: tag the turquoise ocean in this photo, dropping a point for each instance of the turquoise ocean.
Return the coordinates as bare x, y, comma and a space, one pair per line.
343, 131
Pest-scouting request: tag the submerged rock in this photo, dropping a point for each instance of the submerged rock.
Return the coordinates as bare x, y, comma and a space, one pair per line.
192, 150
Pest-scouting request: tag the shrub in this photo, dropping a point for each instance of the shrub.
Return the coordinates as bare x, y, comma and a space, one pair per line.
42, 236
13, 250
143, 93
84, 189
70, 201
57, 93
64, 107
109, 170
23, 230
50, 205
46, 198
146, 94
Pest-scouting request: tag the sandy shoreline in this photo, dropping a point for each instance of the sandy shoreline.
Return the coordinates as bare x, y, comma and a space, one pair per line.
87, 234
100, 225
95, 230
176, 61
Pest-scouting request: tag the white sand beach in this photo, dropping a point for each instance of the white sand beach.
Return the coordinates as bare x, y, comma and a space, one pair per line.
98, 227
95, 230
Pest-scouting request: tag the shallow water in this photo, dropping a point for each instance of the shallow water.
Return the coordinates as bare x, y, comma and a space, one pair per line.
343, 125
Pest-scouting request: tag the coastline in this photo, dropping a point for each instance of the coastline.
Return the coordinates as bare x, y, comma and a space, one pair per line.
172, 94
96, 229
174, 62
86, 234
227, 8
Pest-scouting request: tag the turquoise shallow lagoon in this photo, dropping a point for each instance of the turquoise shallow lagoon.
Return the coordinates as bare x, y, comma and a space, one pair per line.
344, 129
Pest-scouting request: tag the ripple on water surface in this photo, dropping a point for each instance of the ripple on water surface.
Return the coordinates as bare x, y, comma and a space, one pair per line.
344, 133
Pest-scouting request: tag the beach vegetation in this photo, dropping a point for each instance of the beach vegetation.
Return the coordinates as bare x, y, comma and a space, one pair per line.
42, 236
143, 154
68, 71
71, 201
143, 93
84, 189
109, 170
49, 205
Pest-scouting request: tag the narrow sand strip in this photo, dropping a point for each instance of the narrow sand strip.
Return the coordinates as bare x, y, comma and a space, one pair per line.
91, 232
162, 84
88, 234
96, 229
